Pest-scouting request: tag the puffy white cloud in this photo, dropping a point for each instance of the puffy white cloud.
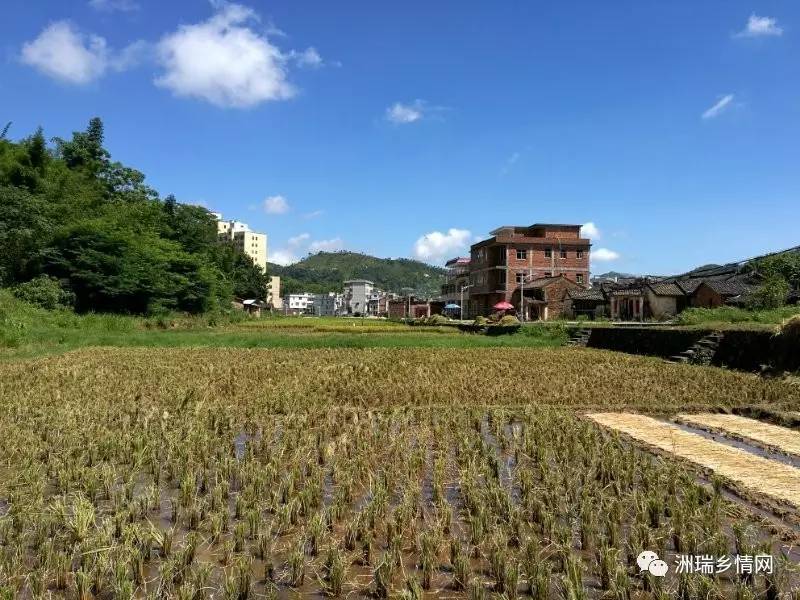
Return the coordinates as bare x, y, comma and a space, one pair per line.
400, 113
604, 255
64, 53
437, 246
114, 5
590, 230
276, 205
223, 61
721, 105
761, 27
326, 245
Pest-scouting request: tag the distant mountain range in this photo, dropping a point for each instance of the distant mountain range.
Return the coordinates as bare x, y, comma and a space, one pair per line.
613, 275
327, 271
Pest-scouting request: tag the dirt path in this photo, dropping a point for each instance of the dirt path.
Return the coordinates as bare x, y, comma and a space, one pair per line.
753, 472
786, 440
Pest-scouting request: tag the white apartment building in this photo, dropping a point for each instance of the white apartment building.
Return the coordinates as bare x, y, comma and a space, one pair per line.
357, 293
250, 243
274, 299
298, 304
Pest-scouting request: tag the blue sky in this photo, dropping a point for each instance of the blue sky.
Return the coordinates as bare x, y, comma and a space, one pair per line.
412, 128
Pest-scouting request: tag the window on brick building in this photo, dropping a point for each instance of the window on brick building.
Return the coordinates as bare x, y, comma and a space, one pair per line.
501, 278
579, 278
563, 253
579, 254
522, 254
548, 252
520, 278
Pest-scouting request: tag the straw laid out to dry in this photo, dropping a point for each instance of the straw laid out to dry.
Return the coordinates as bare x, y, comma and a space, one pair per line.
781, 438
758, 474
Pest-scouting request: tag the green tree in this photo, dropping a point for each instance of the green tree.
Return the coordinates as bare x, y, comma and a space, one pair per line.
244, 277
772, 293
115, 270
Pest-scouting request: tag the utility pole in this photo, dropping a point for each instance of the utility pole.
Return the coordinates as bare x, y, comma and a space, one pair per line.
461, 306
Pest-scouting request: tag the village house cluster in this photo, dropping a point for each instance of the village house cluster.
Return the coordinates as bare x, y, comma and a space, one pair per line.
540, 271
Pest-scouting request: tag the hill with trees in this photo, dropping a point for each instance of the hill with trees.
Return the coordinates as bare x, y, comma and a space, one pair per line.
80, 230
327, 271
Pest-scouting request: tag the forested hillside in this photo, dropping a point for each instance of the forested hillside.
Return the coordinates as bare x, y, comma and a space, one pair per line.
326, 271
78, 229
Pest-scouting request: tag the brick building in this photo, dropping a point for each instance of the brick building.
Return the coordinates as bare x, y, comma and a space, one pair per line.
517, 254
457, 279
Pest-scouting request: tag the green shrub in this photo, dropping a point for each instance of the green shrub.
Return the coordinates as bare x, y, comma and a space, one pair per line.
509, 320
46, 292
437, 320
481, 321
771, 294
787, 344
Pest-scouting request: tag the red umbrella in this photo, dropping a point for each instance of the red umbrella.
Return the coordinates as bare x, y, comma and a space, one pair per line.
503, 306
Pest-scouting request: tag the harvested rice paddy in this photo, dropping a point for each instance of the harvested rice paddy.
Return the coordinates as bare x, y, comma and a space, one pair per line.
375, 473
754, 472
772, 436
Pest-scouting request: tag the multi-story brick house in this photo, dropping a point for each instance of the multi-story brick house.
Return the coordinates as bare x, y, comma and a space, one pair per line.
517, 254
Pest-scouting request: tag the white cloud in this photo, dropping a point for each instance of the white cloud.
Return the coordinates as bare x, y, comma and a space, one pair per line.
114, 5
313, 214
224, 61
308, 58
590, 230
276, 205
760, 27
302, 244
437, 246
604, 255
298, 240
282, 257
63, 52
326, 245
721, 105
400, 113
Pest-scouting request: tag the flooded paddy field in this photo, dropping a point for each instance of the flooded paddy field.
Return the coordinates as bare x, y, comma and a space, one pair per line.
132, 473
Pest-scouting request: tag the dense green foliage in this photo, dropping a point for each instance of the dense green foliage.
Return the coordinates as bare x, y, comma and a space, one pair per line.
45, 292
326, 271
71, 213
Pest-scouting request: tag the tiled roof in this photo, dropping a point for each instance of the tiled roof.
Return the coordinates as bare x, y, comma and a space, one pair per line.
541, 282
728, 287
594, 293
666, 289
688, 285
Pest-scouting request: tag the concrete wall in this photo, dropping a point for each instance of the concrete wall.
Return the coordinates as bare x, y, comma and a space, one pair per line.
662, 307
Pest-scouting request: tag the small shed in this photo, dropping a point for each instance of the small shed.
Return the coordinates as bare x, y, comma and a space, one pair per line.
665, 300
253, 306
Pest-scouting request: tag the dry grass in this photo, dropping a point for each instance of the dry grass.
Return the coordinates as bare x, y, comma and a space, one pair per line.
383, 377
753, 472
773, 436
